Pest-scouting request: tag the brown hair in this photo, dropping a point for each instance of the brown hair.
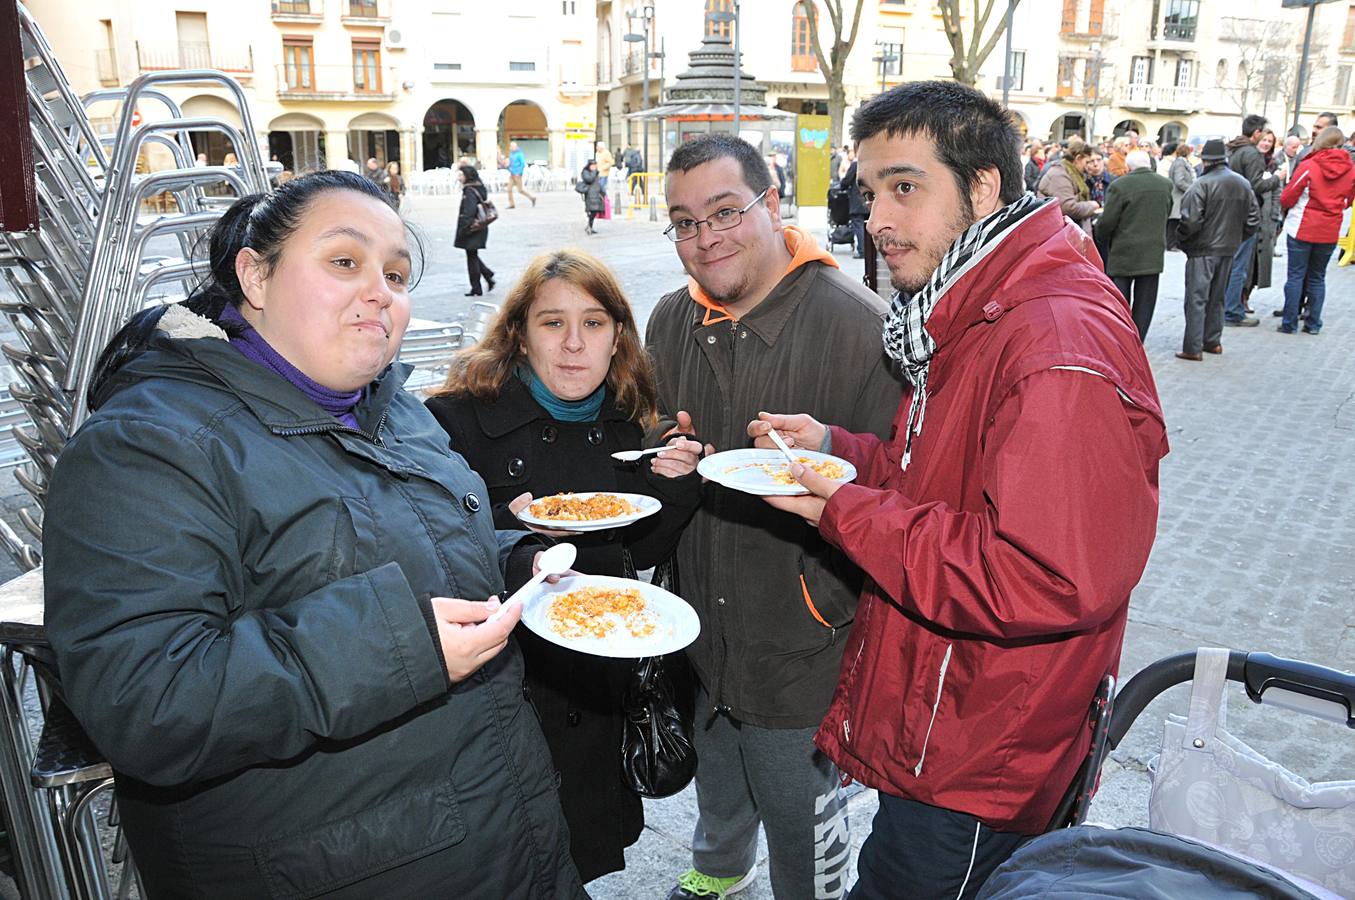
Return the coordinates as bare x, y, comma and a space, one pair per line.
1330, 136
1078, 149
482, 370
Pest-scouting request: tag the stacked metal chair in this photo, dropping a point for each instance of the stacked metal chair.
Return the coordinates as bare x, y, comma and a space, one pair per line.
71, 284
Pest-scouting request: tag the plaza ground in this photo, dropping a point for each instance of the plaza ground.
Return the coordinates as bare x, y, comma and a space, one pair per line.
1256, 540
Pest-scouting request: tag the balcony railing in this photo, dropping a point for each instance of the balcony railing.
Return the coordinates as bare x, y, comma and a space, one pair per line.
1175, 31
602, 71
334, 83
360, 12
1156, 96
633, 64
298, 11
152, 57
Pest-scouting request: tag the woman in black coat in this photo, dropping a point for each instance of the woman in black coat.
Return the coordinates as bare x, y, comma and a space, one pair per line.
559, 383
594, 195
473, 193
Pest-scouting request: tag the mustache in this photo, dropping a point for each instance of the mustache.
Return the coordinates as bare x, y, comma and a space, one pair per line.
894, 244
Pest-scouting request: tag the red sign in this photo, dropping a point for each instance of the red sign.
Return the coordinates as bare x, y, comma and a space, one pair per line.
136, 118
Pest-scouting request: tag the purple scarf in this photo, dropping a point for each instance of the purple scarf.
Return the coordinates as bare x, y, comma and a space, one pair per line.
254, 348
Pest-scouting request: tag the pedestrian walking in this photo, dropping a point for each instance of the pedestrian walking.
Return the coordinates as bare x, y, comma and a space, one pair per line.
762, 305
1002, 531
1133, 228
589, 187
1218, 214
857, 211
563, 358
605, 163
1246, 160
517, 167
1315, 201
470, 235
1182, 176
1066, 182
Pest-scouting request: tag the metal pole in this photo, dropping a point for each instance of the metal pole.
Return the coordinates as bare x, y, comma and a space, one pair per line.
663, 122
1303, 64
1007, 63
644, 88
738, 116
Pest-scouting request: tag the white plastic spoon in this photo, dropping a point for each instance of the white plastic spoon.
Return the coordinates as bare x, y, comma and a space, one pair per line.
777, 440
633, 455
555, 561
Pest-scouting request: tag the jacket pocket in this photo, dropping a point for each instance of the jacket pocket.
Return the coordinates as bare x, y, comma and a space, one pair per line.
380, 837
356, 545
936, 706
827, 599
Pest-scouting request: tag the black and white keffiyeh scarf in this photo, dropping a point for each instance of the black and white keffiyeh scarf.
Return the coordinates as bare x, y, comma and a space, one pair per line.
905, 337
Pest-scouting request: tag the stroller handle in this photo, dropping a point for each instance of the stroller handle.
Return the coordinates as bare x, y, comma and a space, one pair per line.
1306, 687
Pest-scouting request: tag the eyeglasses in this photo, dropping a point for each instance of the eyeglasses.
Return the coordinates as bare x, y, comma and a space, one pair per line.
721, 220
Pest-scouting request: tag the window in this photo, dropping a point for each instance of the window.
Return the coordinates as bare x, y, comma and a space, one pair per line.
1095, 16
719, 29
893, 64
194, 50
522, 67
1182, 16
1091, 76
1342, 86
1221, 73
366, 67
567, 7
363, 9
298, 64
1018, 67
802, 57
1065, 86
1141, 70
1069, 25
1183, 73
292, 7
1348, 42
446, 67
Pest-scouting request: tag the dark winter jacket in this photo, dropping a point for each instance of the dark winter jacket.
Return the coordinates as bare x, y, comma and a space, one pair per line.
856, 204
772, 596
237, 593
515, 446
1218, 213
471, 195
1134, 224
1247, 161
590, 186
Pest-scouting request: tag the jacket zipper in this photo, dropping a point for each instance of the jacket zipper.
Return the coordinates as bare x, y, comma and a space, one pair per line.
374, 437
718, 704
940, 683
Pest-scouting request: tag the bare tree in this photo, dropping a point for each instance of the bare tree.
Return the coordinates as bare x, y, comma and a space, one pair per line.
970, 49
833, 64
1264, 48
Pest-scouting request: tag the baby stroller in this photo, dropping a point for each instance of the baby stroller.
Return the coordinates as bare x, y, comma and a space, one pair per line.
1226, 822
839, 223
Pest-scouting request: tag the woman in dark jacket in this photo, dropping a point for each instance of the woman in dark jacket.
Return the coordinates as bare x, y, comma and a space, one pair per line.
594, 196
473, 240
253, 548
560, 382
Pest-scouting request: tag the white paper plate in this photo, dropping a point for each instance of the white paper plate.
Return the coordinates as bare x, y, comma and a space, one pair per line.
676, 622
750, 470
647, 506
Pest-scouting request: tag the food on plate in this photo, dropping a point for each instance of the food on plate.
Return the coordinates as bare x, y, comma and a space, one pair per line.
571, 508
779, 473
596, 612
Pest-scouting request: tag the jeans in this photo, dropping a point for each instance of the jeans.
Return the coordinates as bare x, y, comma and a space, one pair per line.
1237, 280
1307, 275
858, 235
1143, 289
927, 853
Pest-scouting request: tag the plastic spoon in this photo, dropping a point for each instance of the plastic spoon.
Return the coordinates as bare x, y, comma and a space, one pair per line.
555, 561
777, 440
633, 455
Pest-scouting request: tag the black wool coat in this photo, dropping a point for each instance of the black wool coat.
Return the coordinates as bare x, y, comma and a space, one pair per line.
515, 446
471, 195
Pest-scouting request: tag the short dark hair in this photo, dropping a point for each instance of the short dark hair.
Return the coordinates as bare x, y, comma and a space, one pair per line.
1330, 117
969, 131
710, 147
1252, 124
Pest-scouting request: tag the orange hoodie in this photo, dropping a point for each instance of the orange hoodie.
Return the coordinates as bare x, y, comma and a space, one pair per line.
803, 248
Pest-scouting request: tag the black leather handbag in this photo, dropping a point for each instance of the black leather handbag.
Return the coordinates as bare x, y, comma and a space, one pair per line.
657, 756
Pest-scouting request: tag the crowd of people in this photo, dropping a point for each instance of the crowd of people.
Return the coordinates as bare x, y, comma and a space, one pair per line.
1138, 201
273, 576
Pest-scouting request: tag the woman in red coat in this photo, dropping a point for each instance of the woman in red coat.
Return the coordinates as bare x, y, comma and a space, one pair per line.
1314, 200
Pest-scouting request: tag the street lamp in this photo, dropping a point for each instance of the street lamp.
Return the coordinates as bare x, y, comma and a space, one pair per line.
884, 58
646, 15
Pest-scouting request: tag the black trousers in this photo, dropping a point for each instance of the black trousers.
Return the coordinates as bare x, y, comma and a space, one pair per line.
475, 268
926, 853
1143, 289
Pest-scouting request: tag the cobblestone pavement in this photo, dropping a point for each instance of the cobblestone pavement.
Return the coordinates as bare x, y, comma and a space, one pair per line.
1256, 541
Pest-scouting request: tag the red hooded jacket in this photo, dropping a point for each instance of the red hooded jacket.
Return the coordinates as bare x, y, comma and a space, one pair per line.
1317, 196
1000, 563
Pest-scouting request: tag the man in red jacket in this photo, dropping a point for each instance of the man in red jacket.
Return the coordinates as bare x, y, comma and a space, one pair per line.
1001, 541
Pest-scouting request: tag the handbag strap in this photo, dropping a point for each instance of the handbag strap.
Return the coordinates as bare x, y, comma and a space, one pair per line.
1208, 705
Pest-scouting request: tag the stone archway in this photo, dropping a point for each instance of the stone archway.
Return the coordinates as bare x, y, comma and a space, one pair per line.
298, 142
1066, 126
1127, 124
448, 134
524, 122
214, 144
374, 136
1172, 133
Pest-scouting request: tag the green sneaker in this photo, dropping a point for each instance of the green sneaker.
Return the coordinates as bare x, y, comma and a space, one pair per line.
694, 884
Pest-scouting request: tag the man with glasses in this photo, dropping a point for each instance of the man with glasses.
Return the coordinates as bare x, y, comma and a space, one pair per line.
766, 319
